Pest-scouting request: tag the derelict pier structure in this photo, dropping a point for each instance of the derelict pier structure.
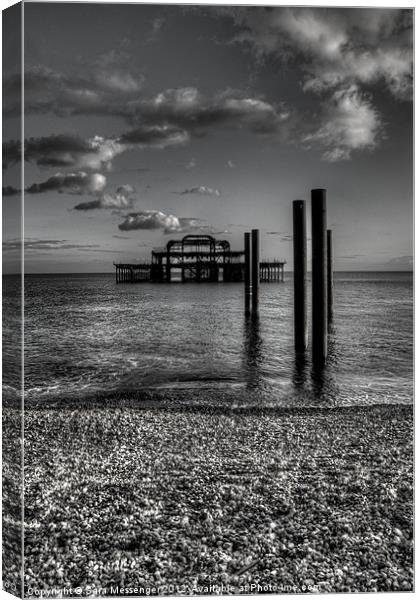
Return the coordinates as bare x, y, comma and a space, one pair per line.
196, 258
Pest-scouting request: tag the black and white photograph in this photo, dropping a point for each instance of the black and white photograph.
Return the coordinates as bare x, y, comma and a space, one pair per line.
207, 299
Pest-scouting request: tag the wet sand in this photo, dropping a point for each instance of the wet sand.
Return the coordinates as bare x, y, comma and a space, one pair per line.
291, 500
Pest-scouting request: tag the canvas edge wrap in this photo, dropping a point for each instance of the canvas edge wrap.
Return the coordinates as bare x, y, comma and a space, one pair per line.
12, 406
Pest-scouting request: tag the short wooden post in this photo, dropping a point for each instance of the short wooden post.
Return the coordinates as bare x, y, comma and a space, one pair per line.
330, 275
255, 269
319, 276
247, 271
299, 275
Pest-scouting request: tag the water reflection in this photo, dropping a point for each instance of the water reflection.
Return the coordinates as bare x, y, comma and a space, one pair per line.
300, 370
324, 386
253, 352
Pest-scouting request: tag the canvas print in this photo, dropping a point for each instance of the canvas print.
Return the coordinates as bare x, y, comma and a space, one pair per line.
207, 299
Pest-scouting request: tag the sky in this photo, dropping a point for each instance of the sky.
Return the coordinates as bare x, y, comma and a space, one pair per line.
145, 123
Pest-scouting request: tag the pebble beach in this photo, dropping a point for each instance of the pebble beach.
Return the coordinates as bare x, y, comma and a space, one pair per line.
169, 501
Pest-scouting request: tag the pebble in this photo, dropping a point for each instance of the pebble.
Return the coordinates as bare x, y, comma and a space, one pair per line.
172, 498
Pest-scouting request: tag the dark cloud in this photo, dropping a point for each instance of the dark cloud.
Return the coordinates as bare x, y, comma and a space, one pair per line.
117, 94
70, 183
48, 244
188, 108
284, 237
9, 190
61, 150
158, 136
201, 190
95, 153
12, 153
48, 91
42, 246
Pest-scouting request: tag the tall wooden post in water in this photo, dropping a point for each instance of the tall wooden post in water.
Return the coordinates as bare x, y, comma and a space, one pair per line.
299, 275
247, 273
330, 271
255, 273
319, 276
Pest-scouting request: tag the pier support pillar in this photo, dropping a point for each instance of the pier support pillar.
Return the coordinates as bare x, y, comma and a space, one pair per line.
330, 271
247, 271
255, 268
299, 275
319, 276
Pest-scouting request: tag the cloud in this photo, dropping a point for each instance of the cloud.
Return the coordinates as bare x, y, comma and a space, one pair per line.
117, 93
335, 47
349, 122
402, 261
64, 150
188, 108
150, 219
156, 219
156, 136
9, 190
33, 244
156, 26
94, 153
104, 84
341, 54
70, 183
201, 190
191, 164
121, 200
351, 256
12, 152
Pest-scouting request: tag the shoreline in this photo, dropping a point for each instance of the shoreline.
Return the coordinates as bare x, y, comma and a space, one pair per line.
319, 497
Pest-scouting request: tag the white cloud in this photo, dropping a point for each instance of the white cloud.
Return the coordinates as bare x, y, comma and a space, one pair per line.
122, 199
191, 164
151, 219
339, 47
156, 219
349, 123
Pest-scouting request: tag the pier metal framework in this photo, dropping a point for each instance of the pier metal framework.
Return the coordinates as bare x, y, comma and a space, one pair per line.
197, 258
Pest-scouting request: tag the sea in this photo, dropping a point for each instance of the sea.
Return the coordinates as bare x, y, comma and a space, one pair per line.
88, 339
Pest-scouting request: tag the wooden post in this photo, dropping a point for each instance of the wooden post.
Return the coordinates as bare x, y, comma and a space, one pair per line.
299, 275
319, 276
330, 275
255, 268
247, 272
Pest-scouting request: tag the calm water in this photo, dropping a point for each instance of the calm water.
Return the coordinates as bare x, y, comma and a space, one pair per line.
86, 336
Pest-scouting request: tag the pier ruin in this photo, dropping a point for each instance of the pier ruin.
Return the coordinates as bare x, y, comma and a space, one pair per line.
196, 258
